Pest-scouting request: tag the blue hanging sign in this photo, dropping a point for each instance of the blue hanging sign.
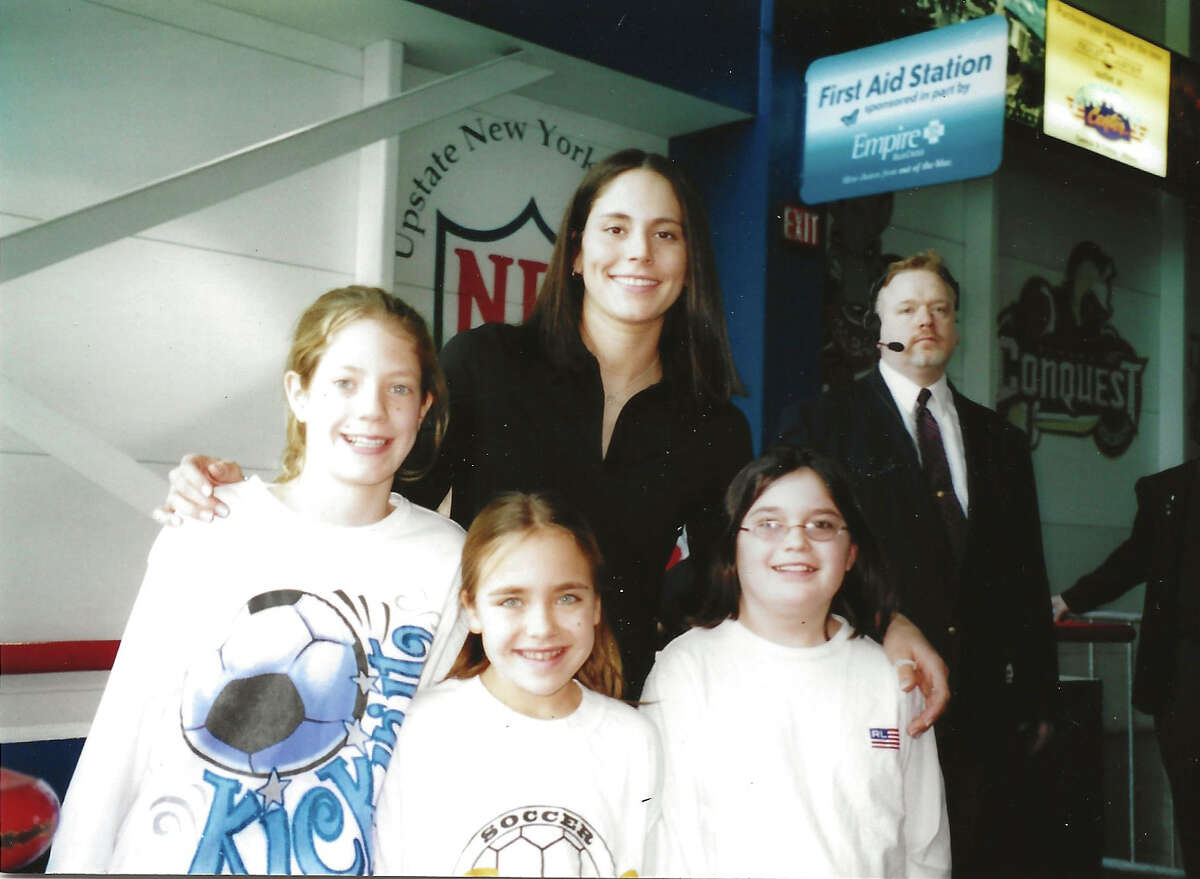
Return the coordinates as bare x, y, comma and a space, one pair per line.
916, 111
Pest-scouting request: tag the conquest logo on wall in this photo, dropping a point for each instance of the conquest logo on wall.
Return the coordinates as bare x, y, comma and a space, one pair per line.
1065, 367
480, 195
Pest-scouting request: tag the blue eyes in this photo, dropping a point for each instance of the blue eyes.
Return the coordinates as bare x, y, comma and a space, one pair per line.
347, 385
514, 603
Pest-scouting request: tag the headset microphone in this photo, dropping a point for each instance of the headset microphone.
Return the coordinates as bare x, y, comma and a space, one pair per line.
891, 346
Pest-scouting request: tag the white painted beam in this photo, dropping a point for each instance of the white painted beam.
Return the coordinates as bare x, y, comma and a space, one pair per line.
80, 449
241, 29
378, 171
55, 240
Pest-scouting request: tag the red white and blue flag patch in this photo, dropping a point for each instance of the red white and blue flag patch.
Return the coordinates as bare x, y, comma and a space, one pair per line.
888, 738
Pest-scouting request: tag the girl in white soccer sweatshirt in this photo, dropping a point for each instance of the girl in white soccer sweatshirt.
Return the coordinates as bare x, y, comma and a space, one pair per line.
784, 734
270, 656
524, 763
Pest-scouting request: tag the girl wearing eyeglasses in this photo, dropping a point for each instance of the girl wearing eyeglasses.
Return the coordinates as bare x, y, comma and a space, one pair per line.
784, 732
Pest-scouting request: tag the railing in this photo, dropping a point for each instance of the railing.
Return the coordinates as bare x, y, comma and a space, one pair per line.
1117, 627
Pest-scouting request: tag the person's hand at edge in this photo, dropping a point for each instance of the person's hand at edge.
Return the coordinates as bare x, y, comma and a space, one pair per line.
918, 665
1058, 607
191, 492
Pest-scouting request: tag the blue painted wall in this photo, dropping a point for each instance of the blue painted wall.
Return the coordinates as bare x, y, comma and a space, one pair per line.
729, 167
773, 290
795, 282
725, 164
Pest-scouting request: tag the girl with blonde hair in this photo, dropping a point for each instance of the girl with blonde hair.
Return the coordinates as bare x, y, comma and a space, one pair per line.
269, 658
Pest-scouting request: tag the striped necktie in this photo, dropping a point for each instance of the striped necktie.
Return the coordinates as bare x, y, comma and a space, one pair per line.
937, 474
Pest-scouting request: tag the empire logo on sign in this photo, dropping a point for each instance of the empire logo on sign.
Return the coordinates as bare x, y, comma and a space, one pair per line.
488, 275
1064, 366
916, 111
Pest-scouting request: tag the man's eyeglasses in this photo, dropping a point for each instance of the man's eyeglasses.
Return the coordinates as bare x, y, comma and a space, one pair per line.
773, 530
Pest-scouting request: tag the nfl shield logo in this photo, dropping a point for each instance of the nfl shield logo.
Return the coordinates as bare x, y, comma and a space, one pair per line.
486, 275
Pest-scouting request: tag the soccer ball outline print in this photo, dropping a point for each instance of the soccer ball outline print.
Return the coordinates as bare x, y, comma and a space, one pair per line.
280, 692
536, 841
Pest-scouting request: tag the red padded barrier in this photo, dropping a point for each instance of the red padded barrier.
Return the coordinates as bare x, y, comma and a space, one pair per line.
47, 656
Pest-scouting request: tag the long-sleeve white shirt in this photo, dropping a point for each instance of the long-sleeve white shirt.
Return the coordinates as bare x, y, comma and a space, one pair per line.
253, 707
791, 761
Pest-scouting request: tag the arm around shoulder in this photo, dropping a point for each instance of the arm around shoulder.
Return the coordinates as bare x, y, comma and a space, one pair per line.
1126, 566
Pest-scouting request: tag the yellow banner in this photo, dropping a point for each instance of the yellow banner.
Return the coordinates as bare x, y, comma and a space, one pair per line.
1106, 90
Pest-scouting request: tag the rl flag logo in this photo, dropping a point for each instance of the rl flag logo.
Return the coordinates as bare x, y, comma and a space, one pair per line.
488, 275
887, 738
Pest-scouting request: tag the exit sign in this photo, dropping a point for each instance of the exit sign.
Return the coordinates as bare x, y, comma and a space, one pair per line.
801, 225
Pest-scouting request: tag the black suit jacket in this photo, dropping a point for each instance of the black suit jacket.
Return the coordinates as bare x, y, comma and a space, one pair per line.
1153, 555
992, 613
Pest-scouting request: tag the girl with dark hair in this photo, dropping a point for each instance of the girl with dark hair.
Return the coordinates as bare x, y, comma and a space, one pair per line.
615, 393
523, 762
825, 780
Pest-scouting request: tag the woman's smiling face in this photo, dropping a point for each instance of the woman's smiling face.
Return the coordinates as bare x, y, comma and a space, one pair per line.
632, 254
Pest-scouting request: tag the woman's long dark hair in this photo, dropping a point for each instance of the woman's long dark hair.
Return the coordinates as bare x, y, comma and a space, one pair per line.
694, 347
866, 599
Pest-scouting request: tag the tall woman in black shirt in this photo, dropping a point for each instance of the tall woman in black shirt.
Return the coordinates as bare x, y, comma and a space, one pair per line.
614, 393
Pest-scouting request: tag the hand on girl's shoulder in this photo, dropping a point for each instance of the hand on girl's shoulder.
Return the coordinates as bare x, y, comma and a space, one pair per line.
240, 495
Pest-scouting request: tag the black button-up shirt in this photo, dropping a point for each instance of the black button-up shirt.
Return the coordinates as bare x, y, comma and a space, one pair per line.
517, 423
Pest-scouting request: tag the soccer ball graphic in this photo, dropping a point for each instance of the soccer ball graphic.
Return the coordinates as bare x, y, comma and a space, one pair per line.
279, 692
536, 841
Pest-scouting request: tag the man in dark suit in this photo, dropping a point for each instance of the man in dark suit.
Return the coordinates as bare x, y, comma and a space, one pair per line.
1164, 553
947, 488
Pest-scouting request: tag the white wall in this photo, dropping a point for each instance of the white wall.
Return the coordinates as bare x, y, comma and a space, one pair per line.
1087, 500
173, 340
162, 342
936, 216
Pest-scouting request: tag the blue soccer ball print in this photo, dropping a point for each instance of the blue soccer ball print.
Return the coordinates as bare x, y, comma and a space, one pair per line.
281, 691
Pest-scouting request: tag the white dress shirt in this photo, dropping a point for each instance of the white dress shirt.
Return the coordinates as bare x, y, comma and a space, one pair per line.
941, 407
